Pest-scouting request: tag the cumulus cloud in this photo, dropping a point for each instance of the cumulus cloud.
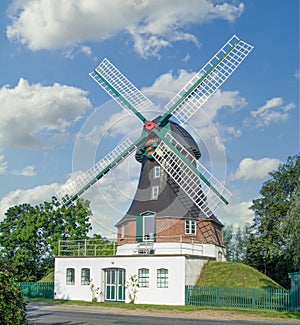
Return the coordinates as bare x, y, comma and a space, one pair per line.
255, 169
31, 112
237, 213
3, 165
26, 171
33, 196
273, 111
46, 24
168, 84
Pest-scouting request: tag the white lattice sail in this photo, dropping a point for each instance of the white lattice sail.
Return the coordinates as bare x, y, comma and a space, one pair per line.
198, 183
204, 84
79, 184
120, 88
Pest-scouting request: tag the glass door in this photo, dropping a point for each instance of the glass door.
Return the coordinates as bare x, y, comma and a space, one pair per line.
115, 285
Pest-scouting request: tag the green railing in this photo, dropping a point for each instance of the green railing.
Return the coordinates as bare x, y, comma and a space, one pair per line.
237, 297
295, 291
37, 289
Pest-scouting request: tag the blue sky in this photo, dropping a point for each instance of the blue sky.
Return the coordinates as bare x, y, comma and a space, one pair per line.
55, 120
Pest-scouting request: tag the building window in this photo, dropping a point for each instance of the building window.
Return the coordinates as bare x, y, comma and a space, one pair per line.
155, 190
220, 256
122, 231
70, 276
149, 227
190, 227
156, 172
143, 278
85, 276
162, 278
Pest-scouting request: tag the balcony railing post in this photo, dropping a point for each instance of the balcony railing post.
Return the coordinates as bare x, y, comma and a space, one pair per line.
180, 244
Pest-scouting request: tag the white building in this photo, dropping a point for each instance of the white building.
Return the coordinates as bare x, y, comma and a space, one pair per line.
162, 277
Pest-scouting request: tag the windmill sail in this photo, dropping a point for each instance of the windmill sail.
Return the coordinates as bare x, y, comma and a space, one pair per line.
188, 173
204, 84
121, 89
72, 190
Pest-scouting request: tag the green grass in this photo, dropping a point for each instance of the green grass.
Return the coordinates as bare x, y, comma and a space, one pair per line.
187, 308
234, 275
49, 277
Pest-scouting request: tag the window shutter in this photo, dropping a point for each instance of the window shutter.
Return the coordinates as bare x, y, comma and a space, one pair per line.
139, 228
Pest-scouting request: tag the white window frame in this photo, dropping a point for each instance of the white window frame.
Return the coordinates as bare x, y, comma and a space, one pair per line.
162, 280
156, 172
190, 227
143, 278
148, 235
70, 276
85, 280
122, 231
155, 192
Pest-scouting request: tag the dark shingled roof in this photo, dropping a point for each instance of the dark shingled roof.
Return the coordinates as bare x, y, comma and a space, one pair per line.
172, 202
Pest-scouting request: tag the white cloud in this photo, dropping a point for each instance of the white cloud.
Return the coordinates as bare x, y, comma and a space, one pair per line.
46, 24
167, 84
27, 171
33, 196
3, 165
31, 113
273, 111
255, 169
237, 213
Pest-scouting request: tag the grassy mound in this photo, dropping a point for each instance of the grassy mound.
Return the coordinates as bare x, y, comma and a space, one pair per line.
49, 277
234, 275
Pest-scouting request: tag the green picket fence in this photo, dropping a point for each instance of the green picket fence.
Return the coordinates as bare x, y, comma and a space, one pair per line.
238, 297
37, 289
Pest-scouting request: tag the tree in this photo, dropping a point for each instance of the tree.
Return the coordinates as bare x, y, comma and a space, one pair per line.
12, 303
235, 242
29, 235
291, 230
269, 248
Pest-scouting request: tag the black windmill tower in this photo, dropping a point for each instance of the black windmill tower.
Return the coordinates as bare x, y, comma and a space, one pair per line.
173, 186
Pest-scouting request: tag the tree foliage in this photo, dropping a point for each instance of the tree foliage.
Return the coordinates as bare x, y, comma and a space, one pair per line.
275, 235
12, 304
29, 235
235, 242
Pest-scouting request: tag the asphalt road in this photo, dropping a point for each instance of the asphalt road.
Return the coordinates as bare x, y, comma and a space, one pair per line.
42, 313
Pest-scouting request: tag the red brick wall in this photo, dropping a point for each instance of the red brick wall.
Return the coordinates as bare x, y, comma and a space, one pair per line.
170, 230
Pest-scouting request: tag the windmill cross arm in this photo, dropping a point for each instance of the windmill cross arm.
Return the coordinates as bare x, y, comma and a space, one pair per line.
206, 82
71, 191
188, 173
121, 89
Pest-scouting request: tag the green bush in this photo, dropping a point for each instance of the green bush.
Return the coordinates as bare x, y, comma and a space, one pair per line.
12, 304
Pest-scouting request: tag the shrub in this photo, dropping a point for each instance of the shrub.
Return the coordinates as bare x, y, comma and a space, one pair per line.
12, 304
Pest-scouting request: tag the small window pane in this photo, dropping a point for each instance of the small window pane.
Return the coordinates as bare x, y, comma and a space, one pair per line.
70, 276
143, 278
190, 227
162, 278
155, 190
85, 276
157, 172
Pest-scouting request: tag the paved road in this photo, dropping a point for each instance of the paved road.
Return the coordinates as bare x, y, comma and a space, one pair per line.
42, 313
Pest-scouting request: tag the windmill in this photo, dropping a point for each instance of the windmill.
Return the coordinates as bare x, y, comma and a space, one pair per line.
164, 143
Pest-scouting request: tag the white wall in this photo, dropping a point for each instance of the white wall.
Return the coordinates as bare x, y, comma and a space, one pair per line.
173, 295
193, 269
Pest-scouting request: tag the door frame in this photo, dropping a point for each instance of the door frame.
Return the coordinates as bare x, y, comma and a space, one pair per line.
114, 284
